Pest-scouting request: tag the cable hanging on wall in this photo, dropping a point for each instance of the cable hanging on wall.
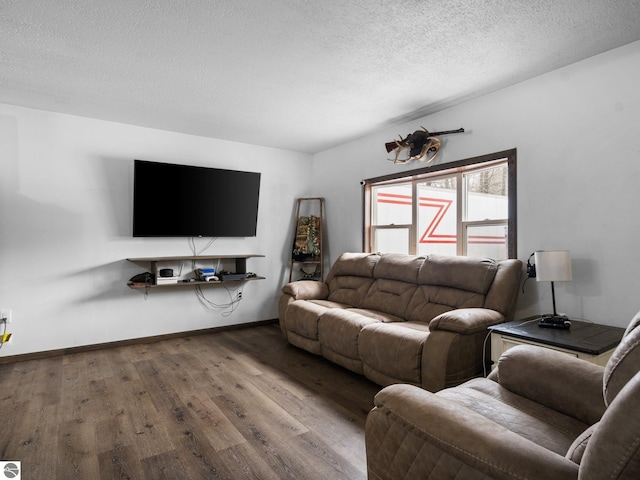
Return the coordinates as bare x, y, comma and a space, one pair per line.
235, 296
194, 250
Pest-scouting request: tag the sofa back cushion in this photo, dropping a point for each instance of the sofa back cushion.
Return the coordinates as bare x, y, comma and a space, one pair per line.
613, 452
398, 266
448, 283
461, 273
389, 296
624, 363
502, 295
351, 277
429, 301
349, 290
354, 264
395, 277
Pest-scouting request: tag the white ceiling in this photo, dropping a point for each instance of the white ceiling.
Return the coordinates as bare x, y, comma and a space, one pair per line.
291, 74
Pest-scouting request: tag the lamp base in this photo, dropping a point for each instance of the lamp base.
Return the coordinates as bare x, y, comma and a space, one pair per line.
554, 321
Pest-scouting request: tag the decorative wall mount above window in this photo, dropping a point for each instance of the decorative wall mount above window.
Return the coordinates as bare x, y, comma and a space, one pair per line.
420, 145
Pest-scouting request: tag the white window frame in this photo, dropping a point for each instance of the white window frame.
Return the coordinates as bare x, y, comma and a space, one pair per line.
456, 169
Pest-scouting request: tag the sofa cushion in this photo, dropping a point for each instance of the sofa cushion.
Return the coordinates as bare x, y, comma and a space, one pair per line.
354, 264
462, 273
616, 438
576, 388
329, 304
306, 290
501, 297
466, 320
302, 318
392, 352
376, 315
544, 426
389, 296
395, 283
397, 266
624, 363
349, 290
429, 301
338, 332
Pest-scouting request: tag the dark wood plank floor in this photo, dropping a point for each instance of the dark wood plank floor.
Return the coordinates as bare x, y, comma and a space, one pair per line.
236, 404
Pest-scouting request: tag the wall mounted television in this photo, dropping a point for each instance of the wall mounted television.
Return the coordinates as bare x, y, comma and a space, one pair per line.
171, 200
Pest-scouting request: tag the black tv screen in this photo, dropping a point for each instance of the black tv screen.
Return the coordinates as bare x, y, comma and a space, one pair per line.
172, 200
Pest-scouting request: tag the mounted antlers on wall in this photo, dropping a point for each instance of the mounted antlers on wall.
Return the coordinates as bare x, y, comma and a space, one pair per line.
422, 145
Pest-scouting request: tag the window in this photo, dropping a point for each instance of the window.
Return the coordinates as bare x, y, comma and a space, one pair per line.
459, 208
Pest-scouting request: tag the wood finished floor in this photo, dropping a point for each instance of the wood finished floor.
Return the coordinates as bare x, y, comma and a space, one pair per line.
230, 405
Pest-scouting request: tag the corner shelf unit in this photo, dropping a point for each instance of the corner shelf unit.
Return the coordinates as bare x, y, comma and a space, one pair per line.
235, 263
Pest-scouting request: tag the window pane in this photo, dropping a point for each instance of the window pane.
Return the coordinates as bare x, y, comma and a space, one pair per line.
487, 194
391, 240
392, 205
487, 241
437, 217
429, 209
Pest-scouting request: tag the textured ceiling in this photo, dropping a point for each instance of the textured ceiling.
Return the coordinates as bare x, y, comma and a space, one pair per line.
291, 74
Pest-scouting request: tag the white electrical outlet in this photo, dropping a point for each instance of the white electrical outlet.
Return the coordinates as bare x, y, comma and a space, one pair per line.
5, 313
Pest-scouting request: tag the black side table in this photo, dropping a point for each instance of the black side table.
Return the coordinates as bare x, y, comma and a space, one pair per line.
589, 341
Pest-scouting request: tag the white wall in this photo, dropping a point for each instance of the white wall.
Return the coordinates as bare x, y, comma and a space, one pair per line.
577, 132
65, 230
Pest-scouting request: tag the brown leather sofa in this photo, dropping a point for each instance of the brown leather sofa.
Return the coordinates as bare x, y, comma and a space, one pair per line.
541, 415
402, 318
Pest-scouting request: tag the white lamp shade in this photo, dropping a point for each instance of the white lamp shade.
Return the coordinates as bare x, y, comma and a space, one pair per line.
553, 266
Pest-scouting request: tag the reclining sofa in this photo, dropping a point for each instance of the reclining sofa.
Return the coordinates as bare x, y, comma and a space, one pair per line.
540, 415
400, 318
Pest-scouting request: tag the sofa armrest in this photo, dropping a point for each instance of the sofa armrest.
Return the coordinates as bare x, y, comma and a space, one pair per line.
307, 290
411, 430
559, 381
466, 320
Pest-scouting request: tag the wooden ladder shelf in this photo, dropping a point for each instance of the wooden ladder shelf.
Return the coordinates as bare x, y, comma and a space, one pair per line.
307, 252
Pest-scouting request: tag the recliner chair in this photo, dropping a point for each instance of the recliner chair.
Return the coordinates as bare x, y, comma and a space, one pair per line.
540, 414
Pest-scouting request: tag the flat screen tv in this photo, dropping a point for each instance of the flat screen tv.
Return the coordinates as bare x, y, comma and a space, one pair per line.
171, 200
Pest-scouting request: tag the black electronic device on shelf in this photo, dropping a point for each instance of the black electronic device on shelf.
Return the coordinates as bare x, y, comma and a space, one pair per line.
554, 321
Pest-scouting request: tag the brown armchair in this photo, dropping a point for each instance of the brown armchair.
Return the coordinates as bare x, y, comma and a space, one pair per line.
540, 415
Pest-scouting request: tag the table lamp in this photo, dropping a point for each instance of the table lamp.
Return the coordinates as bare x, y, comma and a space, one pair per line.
553, 266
